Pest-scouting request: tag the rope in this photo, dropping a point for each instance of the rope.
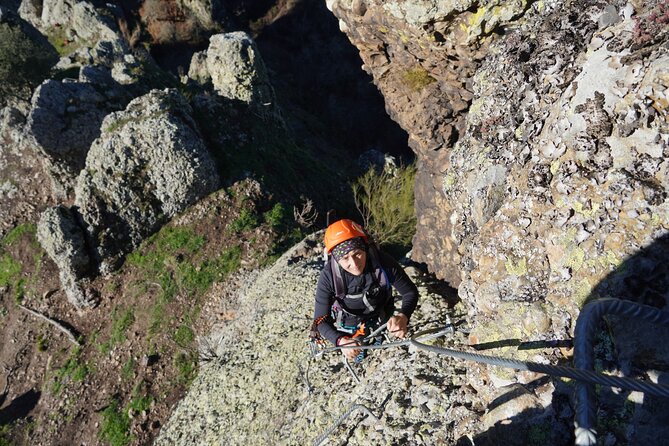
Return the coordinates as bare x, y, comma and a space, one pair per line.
547, 369
341, 419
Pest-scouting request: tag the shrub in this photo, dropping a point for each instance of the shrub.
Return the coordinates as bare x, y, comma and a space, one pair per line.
245, 222
386, 202
277, 217
417, 78
25, 61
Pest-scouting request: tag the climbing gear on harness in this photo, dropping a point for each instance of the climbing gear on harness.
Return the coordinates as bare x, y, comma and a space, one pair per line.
340, 231
316, 341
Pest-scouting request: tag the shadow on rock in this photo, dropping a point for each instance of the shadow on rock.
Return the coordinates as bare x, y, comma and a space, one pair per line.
623, 346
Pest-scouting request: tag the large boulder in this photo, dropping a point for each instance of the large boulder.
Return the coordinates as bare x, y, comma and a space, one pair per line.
148, 164
25, 57
63, 239
233, 66
71, 23
182, 21
65, 119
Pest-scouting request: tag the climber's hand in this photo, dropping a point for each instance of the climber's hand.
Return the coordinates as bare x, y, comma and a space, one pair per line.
397, 325
350, 353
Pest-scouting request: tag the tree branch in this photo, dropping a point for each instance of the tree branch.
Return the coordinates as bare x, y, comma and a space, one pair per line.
56, 324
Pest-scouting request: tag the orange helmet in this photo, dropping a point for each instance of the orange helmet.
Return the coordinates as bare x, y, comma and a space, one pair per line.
340, 231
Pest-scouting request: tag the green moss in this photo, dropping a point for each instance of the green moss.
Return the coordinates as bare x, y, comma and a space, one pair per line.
575, 259
115, 426
72, 370
16, 233
417, 78
516, 269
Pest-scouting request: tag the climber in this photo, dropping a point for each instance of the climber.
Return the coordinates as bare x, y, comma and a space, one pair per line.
354, 288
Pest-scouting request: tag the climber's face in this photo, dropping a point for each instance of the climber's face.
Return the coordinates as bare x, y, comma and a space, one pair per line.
354, 261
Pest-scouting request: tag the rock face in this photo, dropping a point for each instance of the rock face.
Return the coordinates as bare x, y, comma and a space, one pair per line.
232, 64
181, 21
78, 20
26, 57
148, 165
63, 239
65, 119
491, 118
255, 389
542, 135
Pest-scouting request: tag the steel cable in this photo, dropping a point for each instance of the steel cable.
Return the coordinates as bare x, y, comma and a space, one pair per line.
341, 419
581, 374
584, 337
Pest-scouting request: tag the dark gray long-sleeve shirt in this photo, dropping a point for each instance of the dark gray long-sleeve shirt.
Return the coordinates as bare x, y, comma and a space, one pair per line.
325, 292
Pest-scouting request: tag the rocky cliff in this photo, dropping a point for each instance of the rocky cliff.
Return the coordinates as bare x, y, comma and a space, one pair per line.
541, 134
541, 137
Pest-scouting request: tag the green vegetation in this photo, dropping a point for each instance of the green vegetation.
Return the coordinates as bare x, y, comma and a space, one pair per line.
121, 321
184, 336
11, 270
58, 39
128, 369
25, 62
417, 78
42, 343
4, 435
16, 233
168, 258
72, 370
386, 202
186, 366
245, 222
115, 427
277, 217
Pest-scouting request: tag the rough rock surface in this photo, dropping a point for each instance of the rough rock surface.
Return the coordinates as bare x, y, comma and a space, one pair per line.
26, 58
182, 21
63, 239
466, 114
148, 165
77, 20
65, 119
542, 135
232, 64
255, 389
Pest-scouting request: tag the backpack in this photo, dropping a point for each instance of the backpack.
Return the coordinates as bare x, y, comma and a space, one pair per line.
343, 319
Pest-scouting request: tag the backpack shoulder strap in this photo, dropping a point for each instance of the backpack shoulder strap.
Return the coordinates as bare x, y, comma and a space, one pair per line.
337, 279
379, 272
